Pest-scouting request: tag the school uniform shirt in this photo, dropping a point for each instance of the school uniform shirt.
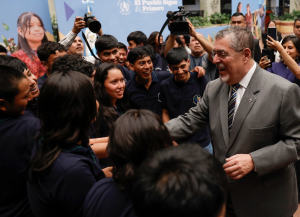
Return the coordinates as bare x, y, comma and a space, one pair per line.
17, 138
106, 199
128, 74
178, 98
61, 189
141, 98
157, 63
210, 68
31, 107
41, 80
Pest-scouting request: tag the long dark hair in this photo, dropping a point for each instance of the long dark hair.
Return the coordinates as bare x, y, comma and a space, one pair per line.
22, 24
66, 108
135, 135
107, 113
296, 43
152, 41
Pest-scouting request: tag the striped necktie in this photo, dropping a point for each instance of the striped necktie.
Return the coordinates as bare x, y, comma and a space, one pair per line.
231, 106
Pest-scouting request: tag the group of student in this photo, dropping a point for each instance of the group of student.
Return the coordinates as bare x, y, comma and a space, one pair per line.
67, 132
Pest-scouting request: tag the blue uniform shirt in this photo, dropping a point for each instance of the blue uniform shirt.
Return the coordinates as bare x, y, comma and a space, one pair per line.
17, 138
105, 199
126, 73
178, 98
61, 190
41, 80
141, 98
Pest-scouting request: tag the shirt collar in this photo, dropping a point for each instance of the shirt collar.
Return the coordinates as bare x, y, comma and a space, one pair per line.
176, 84
245, 81
153, 77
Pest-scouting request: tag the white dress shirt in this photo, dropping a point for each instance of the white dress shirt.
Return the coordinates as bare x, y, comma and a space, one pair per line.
243, 86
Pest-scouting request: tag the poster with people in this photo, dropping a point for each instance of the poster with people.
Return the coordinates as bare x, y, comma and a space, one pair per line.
23, 29
255, 15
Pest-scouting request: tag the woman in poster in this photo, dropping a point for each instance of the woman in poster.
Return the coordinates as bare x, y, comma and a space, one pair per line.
239, 7
249, 18
31, 34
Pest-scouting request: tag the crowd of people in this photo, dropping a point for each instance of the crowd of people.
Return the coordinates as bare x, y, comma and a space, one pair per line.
180, 127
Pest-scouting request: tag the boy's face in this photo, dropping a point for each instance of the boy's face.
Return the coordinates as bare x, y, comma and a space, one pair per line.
143, 67
131, 44
111, 56
52, 58
181, 71
17, 107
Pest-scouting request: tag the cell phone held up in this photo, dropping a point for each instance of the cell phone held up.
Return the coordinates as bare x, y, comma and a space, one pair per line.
272, 32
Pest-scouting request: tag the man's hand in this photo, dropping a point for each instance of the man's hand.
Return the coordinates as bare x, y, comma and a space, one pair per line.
264, 62
238, 166
192, 29
199, 70
273, 44
78, 25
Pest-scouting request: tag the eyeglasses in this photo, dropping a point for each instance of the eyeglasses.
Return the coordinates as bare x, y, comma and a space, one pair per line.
222, 54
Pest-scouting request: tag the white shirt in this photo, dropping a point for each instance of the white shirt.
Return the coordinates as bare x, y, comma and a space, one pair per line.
243, 86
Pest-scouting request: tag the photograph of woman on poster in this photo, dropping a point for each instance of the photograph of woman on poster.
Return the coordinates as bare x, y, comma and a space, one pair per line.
249, 18
239, 7
31, 34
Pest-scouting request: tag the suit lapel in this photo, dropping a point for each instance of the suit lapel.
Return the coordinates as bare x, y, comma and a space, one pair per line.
224, 112
246, 104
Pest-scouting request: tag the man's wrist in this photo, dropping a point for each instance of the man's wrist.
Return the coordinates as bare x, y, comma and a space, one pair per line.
75, 31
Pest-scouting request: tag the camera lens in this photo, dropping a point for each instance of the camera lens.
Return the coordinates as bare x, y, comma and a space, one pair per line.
93, 25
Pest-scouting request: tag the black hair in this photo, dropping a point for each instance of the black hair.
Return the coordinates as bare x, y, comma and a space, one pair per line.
176, 55
72, 63
107, 113
238, 14
296, 42
10, 78
138, 37
23, 23
137, 53
135, 135
123, 46
66, 108
297, 19
187, 39
152, 39
151, 52
106, 42
180, 181
271, 21
3, 49
48, 48
13, 62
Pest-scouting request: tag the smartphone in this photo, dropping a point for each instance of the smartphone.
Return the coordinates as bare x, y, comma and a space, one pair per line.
272, 32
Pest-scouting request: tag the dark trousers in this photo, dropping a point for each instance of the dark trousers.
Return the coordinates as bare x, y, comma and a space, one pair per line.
229, 207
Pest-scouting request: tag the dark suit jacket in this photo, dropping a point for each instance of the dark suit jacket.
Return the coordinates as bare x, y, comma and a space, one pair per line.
266, 126
257, 51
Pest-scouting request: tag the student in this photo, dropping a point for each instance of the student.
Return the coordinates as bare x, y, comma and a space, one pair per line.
135, 135
109, 85
48, 52
73, 63
123, 54
182, 91
108, 51
180, 181
18, 131
144, 87
138, 38
63, 167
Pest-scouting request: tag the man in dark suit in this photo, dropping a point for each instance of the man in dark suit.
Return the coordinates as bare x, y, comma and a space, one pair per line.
254, 120
238, 19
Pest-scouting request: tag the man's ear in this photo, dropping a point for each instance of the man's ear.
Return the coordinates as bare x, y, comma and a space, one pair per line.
247, 54
131, 65
98, 54
2, 105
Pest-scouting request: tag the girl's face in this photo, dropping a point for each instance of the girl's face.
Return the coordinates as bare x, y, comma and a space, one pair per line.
34, 90
115, 84
291, 49
272, 24
34, 31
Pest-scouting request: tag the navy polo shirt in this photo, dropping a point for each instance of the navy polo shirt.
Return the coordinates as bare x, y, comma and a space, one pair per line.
126, 73
61, 190
141, 98
106, 199
17, 138
179, 97
41, 80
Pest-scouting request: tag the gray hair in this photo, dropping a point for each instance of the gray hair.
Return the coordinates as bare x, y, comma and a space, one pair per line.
240, 38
